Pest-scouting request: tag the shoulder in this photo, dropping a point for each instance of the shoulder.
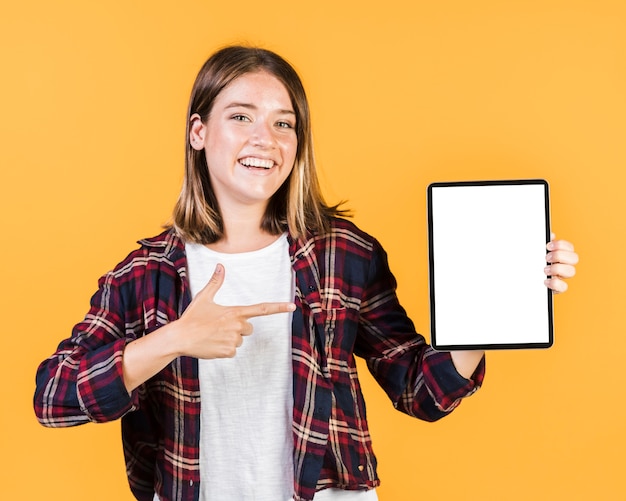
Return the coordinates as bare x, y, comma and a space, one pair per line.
148, 276
165, 243
348, 234
165, 250
343, 238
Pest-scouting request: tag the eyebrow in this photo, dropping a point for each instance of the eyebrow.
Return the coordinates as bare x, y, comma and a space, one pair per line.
253, 107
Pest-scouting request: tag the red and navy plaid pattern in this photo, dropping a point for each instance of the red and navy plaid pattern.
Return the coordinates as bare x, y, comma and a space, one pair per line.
347, 306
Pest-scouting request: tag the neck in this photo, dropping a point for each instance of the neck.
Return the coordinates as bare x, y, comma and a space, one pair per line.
242, 231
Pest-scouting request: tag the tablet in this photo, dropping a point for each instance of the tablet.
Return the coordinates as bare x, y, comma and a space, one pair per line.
487, 252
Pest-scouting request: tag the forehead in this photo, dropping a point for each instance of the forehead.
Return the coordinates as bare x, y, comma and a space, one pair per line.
257, 88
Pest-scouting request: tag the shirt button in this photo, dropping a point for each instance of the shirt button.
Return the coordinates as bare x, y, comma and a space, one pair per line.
312, 288
191, 483
361, 467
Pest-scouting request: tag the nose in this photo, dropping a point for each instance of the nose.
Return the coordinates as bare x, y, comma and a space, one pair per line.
263, 135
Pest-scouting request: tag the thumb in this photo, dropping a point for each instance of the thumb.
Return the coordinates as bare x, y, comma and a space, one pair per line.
215, 282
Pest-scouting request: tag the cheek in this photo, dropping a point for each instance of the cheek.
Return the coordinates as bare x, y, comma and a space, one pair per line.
291, 150
222, 138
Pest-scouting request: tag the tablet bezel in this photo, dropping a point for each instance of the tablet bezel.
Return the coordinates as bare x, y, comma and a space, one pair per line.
433, 313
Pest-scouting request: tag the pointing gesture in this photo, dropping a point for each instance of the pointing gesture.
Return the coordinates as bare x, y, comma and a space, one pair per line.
209, 330
205, 330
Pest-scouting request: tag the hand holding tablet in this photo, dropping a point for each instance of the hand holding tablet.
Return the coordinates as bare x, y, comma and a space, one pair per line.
487, 263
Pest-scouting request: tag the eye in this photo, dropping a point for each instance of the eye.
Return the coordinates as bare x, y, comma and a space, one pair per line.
240, 118
284, 125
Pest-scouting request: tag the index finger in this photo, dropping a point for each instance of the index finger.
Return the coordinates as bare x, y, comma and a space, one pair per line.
264, 309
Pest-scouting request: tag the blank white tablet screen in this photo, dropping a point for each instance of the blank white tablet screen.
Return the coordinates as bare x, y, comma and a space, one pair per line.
487, 252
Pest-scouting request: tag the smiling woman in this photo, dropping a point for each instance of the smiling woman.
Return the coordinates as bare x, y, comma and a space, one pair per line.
242, 384
250, 143
298, 203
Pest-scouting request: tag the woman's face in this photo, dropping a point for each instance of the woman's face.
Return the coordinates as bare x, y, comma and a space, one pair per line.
249, 140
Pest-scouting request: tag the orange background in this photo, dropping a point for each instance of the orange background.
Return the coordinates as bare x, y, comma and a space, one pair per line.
403, 93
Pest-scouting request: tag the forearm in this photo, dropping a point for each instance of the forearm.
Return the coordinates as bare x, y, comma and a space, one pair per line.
148, 355
77, 385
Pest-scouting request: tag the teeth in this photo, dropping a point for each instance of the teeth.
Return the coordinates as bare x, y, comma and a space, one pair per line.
257, 162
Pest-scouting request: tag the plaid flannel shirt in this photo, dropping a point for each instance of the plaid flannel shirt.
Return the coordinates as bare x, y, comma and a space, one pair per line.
346, 306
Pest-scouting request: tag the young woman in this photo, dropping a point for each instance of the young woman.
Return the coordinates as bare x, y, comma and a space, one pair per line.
226, 344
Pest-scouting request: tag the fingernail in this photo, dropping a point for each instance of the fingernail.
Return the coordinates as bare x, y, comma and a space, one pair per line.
550, 245
549, 257
292, 307
547, 270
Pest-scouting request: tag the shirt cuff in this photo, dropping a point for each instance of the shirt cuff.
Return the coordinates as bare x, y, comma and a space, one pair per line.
100, 384
444, 382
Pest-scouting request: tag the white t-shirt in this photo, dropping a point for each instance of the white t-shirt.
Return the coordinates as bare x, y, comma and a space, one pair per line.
246, 438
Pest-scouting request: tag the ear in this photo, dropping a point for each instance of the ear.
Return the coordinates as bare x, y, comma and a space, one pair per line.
197, 132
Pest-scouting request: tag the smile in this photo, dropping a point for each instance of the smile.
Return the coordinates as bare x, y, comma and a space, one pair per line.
259, 163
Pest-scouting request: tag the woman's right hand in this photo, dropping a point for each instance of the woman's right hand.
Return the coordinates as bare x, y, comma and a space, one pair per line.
209, 330
205, 330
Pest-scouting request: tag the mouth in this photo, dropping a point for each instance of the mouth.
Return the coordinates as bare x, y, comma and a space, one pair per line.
257, 163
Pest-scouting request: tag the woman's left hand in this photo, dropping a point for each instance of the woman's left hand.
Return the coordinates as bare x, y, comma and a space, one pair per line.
561, 260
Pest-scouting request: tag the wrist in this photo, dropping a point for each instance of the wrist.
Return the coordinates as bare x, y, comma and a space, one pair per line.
466, 362
171, 340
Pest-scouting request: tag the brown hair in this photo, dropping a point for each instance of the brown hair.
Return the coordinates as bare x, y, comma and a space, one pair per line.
298, 205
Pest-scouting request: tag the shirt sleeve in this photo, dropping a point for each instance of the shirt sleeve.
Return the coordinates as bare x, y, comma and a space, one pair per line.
83, 380
420, 381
